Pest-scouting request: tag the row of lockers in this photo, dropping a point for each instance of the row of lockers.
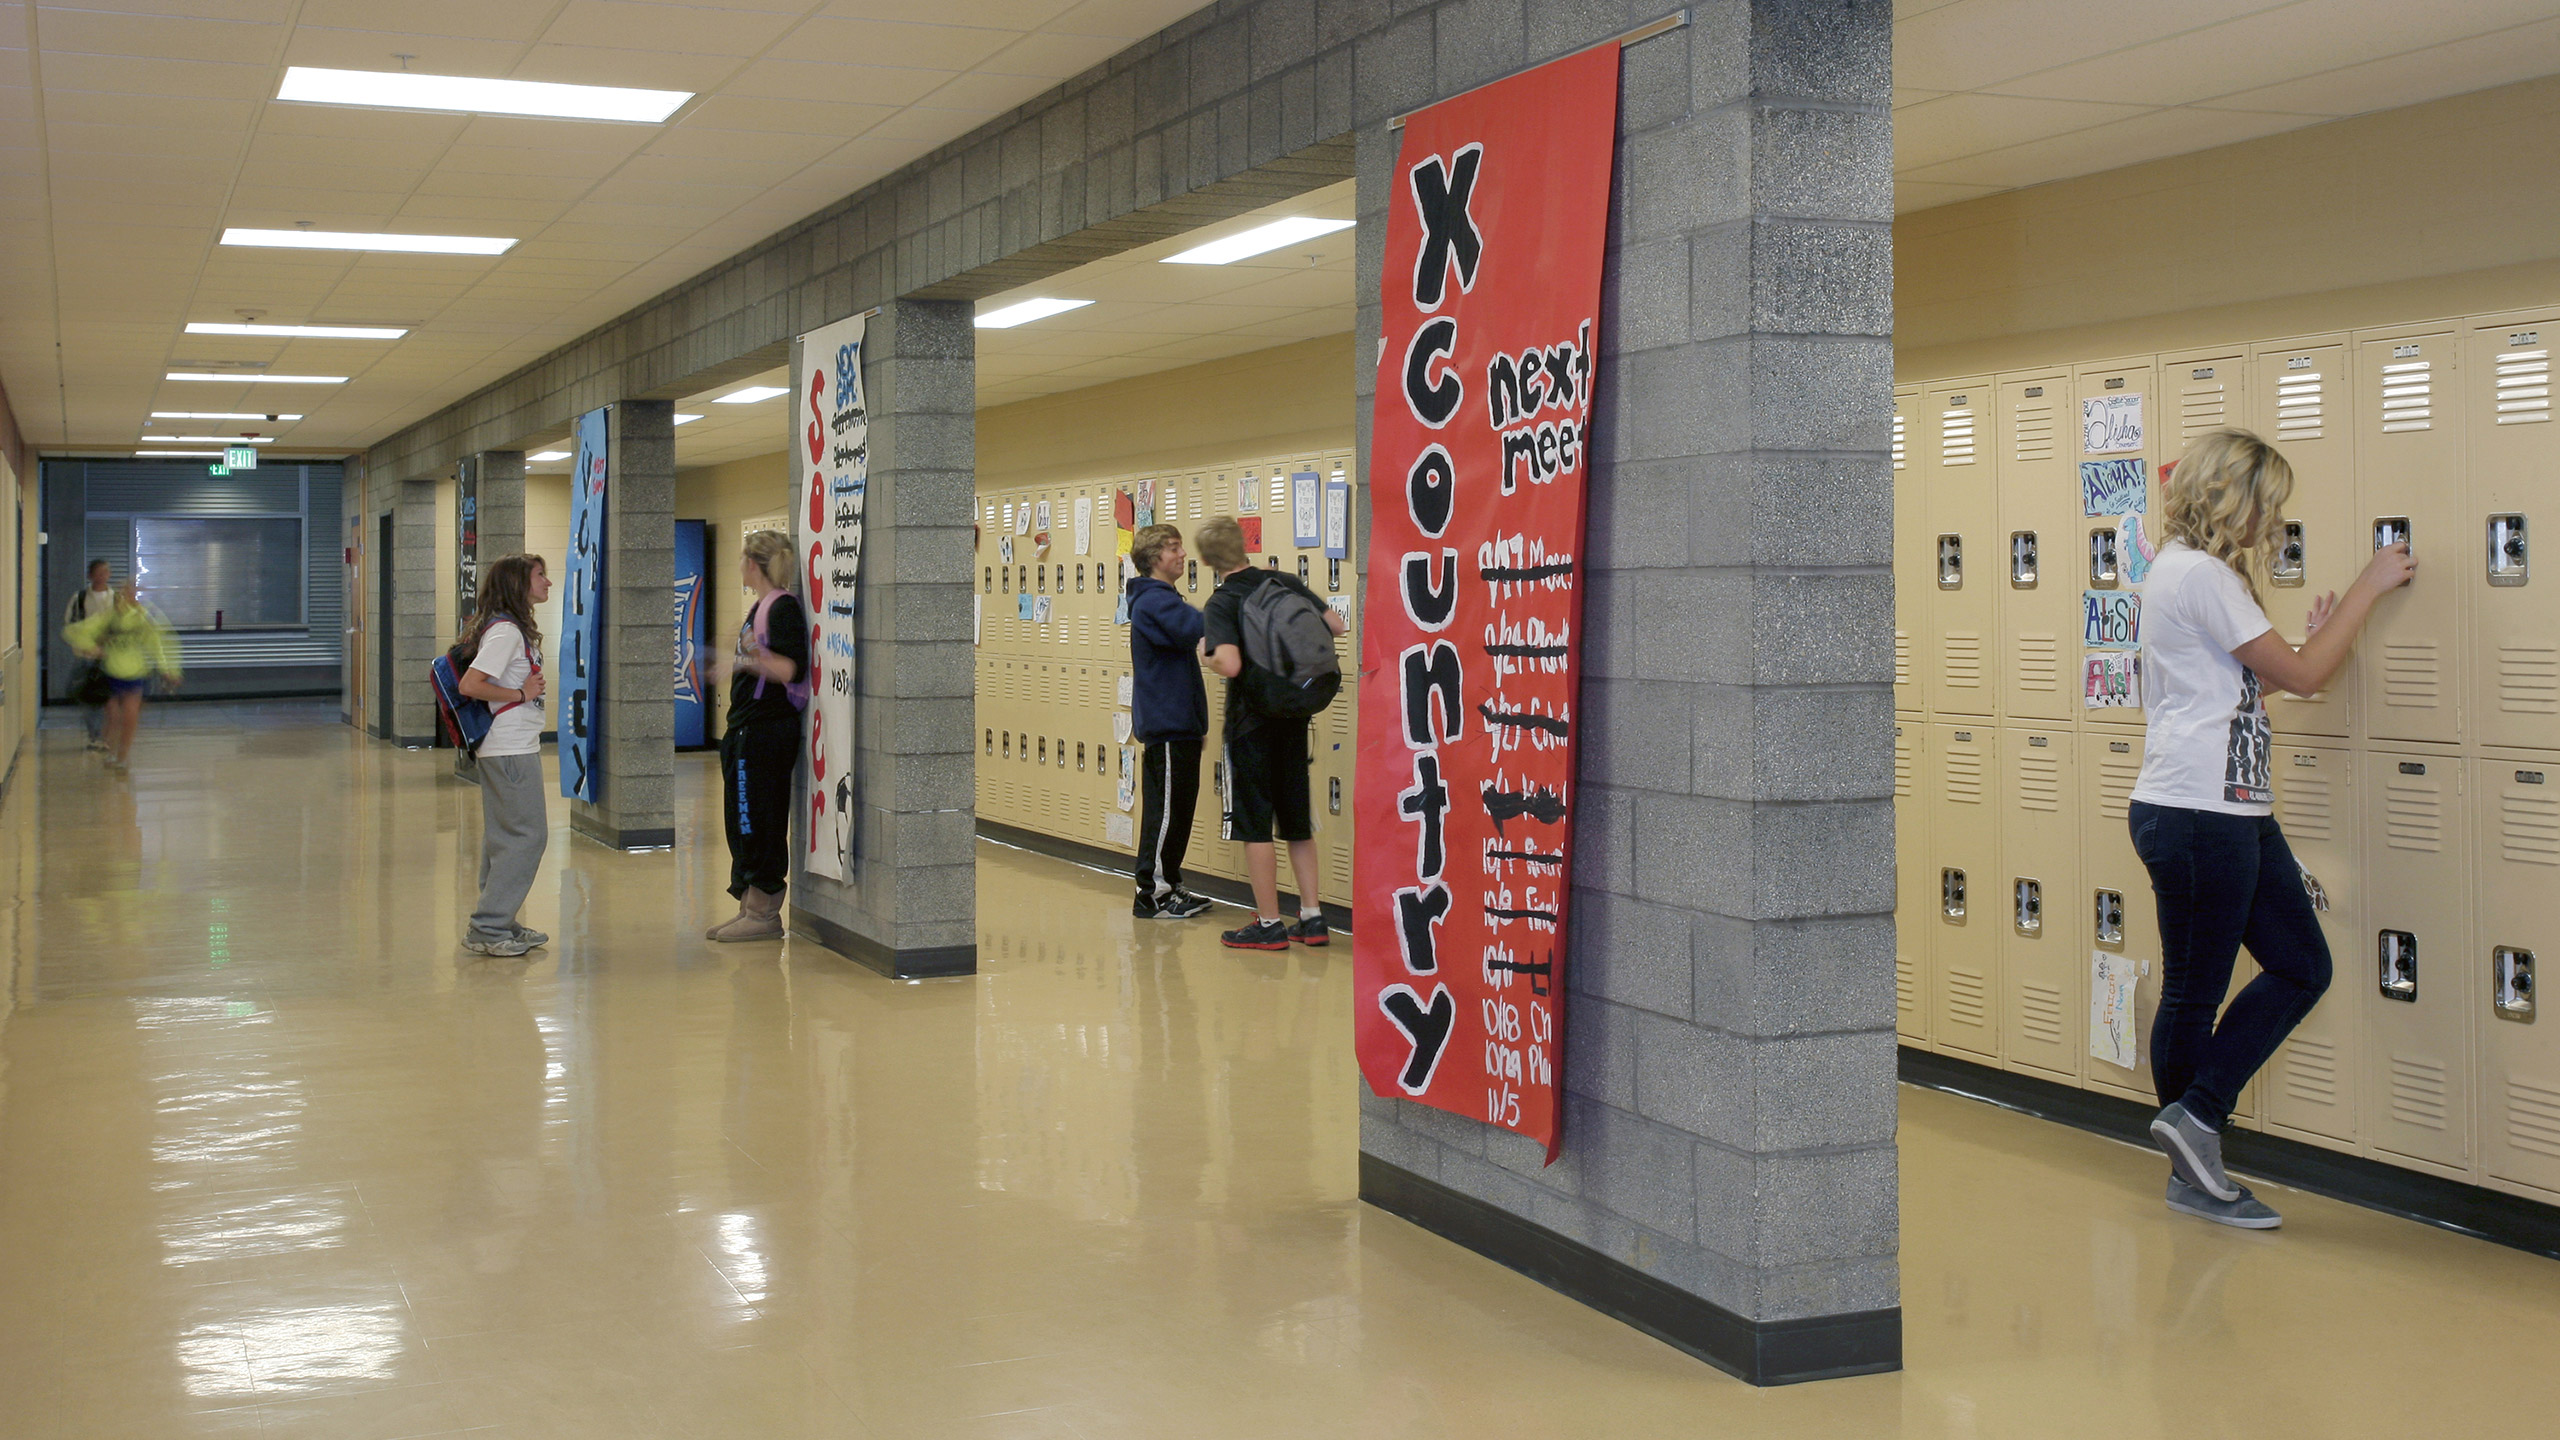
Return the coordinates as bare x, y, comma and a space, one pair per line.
1055, 756
2439, 433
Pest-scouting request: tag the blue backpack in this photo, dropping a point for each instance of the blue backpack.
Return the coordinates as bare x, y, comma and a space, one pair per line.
464, 720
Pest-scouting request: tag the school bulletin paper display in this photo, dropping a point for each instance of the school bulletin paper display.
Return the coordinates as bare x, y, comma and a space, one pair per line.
582, 616
831, 467
1469, 662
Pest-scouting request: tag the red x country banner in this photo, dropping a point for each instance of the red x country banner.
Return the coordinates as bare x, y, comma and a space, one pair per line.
1469, 662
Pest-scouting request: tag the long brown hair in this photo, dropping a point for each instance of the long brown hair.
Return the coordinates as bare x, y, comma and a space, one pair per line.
506, 593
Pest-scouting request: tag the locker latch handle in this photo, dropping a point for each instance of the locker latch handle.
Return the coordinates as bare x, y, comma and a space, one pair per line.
2022, 559
2392, 530
2511, 983
1950, 562
2103, 567
2397, 951
1951, 893
2507, 558
1333, 795
2289, 557
2030, 906
2110, 908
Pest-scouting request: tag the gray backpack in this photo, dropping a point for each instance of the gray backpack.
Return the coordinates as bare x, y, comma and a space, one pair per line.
1291, 668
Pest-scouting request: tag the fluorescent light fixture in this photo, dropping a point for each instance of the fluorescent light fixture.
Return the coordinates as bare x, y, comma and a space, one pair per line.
687, 419
545, 457
215, 415
751, 395
177, 454
250, 379
1259, 240
402, 90
307, 332
1026, 312
368, 240
211, 439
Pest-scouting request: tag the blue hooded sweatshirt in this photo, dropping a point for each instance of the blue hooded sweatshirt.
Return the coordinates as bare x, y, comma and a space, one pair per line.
1167, 699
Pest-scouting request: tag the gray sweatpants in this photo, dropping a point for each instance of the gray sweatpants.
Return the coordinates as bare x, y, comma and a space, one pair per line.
513, 834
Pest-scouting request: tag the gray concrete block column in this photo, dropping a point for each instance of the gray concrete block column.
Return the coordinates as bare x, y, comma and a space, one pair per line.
500, 474
910, 906
415, 582
635, 792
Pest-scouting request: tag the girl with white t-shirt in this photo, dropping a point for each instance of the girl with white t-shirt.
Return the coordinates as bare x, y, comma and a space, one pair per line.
2203, 814
504, 669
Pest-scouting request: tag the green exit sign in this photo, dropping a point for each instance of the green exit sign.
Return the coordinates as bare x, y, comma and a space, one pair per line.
217, 471
240, 457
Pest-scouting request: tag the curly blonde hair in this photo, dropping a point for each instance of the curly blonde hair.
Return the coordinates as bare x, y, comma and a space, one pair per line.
771, 550
2225, 497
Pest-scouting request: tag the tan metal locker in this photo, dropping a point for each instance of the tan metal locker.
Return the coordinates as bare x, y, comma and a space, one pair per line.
2123, 917
2121, 390
2514, 622
1914, 562
1915, 909
2045, 940
1964, 558
2201, 391
1972, 904
2309, 1087
2301, 401
2518, 1046
2041, 540
2408, 456
2418, 983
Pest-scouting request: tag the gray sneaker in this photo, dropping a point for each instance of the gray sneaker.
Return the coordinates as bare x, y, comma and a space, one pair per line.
2195, 1153
2248, 1212
532, 938
506, 947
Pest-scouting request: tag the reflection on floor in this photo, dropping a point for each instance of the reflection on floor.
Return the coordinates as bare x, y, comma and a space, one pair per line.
277, 1158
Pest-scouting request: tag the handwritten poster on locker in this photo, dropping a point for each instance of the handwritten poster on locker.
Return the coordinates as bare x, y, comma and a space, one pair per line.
830, 480
582, 616
1470, 656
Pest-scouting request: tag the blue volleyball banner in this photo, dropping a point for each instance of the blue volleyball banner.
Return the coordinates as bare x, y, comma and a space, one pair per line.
582, 617
693, 632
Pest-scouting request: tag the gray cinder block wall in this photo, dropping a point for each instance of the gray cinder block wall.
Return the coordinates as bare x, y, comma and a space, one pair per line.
415, 577
910, 906
501, 480
634, 806
1729, 1022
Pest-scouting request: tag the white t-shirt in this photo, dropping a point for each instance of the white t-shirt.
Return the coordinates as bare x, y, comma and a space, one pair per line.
2208, 744
503, 658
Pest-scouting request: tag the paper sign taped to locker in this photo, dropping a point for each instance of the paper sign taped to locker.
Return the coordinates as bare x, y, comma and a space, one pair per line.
2110, 423
1306, 508
1119, 830
2111, 487
1128, 778
1004, 548
1251, 525
1042, 513
2110, 619
1146, 503
1022, 518
1021, 607
2112, 680
1120, 615
1120, 726
1040, 609
1248, 495
2112, 981
1084, 524
2135, 550
1340, 605
1337, 516
1128, 690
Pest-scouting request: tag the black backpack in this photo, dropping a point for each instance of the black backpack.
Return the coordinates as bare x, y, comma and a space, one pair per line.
1290, 664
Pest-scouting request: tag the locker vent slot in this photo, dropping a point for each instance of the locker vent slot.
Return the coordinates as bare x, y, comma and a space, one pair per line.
2529, 677
1955, 437
2039, 782
2040, 663
2040, 1013
2524, 387
2311, 1070
1964, 777
1901, 656
1964, 660
2408, 396
2529, 826
2309, 808
2202, 405
2412, 675
2116, 776
2417, 1093
1965, 996
2300, 407
1906, 983
1902, 772
2033, 434
1279, 492
2533, 1117
2412, 816
1898, 453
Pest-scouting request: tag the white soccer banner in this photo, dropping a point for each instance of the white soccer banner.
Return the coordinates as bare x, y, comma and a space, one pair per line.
830, 472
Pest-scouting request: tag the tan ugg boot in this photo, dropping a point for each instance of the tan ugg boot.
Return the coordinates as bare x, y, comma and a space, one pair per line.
759, 918
714, 932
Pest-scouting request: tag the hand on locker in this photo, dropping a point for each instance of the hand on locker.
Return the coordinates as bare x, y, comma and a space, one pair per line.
2392, 566
2332, 628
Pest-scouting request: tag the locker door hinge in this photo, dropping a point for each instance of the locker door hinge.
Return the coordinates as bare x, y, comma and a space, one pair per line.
2397, 951
2511, 983
2506, 550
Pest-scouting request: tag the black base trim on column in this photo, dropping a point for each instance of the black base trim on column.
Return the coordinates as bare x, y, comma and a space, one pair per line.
659, 837
2374, 1184
1781, 1352
929, 962
1095, 857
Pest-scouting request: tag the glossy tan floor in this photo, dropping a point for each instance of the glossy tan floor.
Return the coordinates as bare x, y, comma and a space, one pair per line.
276, 1158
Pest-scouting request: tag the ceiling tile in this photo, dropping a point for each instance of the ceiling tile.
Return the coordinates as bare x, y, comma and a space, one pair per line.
131, 75
2154, 136
686, 29
492, 19
371, 49
861, 84
845, 40
1126, 19
99, 32
2502, 58
1957, 125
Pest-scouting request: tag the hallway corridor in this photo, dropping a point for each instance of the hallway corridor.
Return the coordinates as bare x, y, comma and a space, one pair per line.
278, 1158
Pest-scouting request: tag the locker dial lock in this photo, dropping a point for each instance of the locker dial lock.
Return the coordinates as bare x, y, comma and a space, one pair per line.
2511, 983
1951, 893
2397, 950
2506, 550
2030, 906
2289, 556
2110, 908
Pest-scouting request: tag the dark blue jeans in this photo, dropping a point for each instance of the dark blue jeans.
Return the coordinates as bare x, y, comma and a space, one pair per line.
2224, 881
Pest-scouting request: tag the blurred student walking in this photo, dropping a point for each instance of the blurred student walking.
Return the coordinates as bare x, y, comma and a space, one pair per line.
133, 645
90, 689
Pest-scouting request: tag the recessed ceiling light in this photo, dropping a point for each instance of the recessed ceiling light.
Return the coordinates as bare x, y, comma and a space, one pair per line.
216, 415
402, 90
211, 439
751, 395
261, 379
547, 456
308, 332
1026, 312
687, 419
368, 240
1259, 240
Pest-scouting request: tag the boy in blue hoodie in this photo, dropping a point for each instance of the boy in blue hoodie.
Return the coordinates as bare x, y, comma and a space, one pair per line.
1169, 714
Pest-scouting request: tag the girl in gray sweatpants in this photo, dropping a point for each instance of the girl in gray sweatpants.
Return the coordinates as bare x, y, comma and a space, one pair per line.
504, 670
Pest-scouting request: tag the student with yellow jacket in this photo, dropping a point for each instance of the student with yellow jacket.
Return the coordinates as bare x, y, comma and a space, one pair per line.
131, 643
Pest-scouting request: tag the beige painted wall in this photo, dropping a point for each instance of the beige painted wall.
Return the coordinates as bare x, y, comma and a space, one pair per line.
2446, 208
1286, 399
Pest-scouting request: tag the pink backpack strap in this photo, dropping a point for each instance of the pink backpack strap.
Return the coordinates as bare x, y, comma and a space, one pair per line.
798, 690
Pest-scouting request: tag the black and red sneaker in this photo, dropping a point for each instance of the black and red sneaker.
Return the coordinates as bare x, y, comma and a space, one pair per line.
1310, 930
1260, 935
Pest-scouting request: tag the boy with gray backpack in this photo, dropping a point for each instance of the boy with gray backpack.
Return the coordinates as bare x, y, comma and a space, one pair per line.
1269, 635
